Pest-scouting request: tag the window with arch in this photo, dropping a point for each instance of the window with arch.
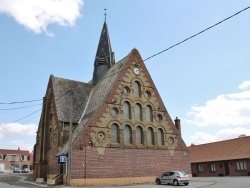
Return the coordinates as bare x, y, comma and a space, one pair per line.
115, 133
126, 110
137, 89
127, 135
160, 136
139, 135
149, 113
138, 112
150, 136
50, 136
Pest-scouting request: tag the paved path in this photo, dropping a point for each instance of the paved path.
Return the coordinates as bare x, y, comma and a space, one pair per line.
27, 181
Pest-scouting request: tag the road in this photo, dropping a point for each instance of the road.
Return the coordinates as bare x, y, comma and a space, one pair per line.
27, 181
17, 181
232, 182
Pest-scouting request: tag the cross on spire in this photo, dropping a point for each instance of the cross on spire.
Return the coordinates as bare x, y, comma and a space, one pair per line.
105, 14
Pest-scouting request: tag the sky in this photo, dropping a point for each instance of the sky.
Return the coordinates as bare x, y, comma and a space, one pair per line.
204, 81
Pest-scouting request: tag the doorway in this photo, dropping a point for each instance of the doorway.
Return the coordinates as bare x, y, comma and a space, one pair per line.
227, 168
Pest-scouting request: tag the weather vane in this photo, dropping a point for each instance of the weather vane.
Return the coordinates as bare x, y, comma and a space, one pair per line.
105, 14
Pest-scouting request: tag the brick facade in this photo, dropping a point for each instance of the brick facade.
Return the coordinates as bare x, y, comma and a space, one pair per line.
222, 168
95, 157
105, 163
19, 158
223, 158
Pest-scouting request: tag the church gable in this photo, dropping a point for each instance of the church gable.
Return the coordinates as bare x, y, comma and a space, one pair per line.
120, 109
133, 114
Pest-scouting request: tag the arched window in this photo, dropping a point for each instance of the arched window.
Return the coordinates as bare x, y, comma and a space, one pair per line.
50, 136
138, 112
149, 113
114, 133
160, 136
126, 110
127, 135
139, 135
150, 136
137, 89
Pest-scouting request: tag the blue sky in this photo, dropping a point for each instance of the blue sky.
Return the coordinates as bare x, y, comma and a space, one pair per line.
205, 81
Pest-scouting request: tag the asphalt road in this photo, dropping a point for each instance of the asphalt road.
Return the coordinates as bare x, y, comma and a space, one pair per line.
232, 182
27, 181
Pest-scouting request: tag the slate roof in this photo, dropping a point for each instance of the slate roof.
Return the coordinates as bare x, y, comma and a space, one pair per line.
238, 148
104, 52
81, 91
95, 99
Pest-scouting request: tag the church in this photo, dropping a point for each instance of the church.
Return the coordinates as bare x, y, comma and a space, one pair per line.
114, 129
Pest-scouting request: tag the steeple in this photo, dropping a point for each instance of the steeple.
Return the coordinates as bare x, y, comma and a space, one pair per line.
104, 58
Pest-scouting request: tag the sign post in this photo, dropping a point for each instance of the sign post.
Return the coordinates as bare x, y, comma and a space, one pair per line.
11, 165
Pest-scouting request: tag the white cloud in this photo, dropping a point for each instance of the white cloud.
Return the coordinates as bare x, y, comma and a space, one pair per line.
245, 85
202, 137
17, 129
36, 15
224, 110
22, 145
224, 134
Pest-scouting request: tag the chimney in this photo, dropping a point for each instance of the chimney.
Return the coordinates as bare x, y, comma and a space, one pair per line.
178, 124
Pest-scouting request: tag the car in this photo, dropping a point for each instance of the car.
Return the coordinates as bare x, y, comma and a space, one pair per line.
17, 170
173, 177
26, 170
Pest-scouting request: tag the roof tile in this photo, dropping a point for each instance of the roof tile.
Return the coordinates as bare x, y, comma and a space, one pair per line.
238, 148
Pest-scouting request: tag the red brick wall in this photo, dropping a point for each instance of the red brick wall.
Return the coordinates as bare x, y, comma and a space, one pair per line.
220, 168
120, 162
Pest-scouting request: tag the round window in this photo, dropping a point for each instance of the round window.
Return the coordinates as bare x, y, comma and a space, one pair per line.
159, 117
147, 94
114, 112
126, 90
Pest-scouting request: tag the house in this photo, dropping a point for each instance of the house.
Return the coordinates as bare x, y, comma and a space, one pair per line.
224, 158
15, 158
113, 129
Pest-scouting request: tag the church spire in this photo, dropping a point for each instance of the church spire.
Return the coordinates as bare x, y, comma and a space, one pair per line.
104, 58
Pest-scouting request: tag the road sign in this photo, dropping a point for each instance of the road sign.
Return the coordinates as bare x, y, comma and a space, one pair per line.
63, 159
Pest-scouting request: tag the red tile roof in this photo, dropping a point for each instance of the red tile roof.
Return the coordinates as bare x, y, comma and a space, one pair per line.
9, 151
238, 148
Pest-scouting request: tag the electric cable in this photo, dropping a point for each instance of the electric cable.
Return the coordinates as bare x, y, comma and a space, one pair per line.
20, 101
20, 107
156, 54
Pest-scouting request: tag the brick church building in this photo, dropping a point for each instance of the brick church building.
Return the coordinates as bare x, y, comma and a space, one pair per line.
121, 130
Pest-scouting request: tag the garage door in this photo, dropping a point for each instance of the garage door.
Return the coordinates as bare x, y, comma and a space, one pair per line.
1, 167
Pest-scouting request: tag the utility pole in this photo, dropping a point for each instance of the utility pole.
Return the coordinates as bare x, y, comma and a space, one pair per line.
70, 140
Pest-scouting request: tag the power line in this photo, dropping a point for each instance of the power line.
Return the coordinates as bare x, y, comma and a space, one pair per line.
41, 108
20, 107
27, 116
182, 41
197, 33
148, 57
20, 101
